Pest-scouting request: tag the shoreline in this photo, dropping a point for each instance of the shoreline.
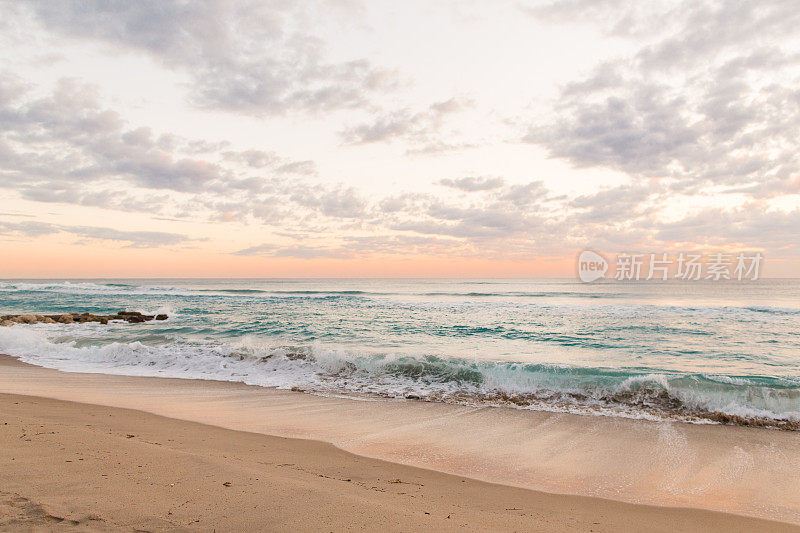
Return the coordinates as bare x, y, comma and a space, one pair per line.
742, 471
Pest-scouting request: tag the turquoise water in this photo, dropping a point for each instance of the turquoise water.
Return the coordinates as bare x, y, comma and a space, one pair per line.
649, 350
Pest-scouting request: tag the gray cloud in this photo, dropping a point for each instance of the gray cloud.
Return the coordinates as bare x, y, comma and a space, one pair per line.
401, 245
621, 204
98, 145
260, 159
244, 56
11, 88
68, 148
339, 203
422, 130
358, 246
132, 239
27, 228
707, 97
472, 184
474, 222
525, 195
749, 225
691, 104
252, 158
111, 198
306, 167
299, 252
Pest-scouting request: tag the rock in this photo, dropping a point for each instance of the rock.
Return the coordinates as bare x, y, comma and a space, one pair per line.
132, 317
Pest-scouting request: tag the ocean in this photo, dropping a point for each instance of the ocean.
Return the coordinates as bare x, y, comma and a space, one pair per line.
702, 352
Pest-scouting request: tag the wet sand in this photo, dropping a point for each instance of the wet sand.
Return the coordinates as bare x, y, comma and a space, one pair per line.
83, 466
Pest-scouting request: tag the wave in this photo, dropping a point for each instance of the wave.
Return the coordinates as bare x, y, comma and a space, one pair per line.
125, 289
83, 287
321, 369
262, 291
327, 292
234, 291
64, 286
130, 289
523, 294
773, 310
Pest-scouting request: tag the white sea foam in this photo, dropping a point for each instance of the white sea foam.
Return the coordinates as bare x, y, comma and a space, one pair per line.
83, 287
329, 369
728, 379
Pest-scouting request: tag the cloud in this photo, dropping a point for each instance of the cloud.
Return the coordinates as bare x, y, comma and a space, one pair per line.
306, 167
11, 88
27, 229
243, 56
472, 184
132, 239
702, 100
402, 245
525, 195
422, 130
260, 159
68, 136
748, 226
621, 204
299, 252
472, 222
67, 147
359, 246
111, 198
339, 203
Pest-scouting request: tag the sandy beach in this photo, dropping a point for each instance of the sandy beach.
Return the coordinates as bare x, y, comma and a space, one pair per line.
92, 466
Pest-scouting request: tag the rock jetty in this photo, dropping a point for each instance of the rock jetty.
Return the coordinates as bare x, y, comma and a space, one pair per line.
132, 317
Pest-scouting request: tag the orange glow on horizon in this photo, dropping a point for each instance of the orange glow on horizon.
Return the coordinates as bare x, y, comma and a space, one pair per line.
29, 260
32, 259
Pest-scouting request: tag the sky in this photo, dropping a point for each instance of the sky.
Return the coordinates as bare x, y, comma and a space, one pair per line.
379, 138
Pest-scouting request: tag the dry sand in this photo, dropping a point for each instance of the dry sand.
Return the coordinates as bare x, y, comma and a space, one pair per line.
66, 465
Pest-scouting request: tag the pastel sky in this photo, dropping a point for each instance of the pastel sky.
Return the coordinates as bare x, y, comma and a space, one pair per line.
385, 138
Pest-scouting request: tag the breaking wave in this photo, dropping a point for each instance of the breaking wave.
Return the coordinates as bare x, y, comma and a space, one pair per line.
322, 369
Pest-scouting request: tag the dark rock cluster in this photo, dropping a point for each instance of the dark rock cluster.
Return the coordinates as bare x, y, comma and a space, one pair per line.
132, 317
